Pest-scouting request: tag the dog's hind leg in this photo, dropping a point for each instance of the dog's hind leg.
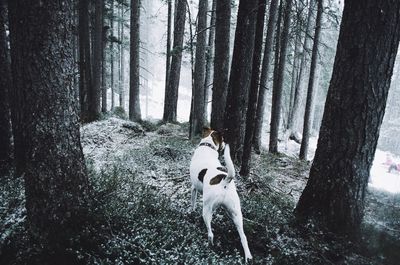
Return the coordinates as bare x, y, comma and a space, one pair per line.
194, 197
235, 212
207, 216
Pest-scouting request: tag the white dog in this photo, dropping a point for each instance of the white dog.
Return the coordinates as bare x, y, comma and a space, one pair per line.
208, 176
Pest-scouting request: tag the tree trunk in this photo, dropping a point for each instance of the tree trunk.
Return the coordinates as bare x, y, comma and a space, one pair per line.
197, 117
239, 81
253, 94
122, 56
112, 58
221, 63
95, 92
295, 69
269, 38
278, 82
5, 88
311, 82
85, 66
168, 53
104, 63
209, 60
56, 184
171, 93
355, 106
292, 121
134, 81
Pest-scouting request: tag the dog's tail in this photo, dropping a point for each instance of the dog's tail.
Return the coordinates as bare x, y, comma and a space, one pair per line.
229, 163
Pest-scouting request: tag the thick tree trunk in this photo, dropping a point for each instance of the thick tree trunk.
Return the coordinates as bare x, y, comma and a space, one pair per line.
355, 105
209, 60
221, 62
5, 88
56, 184
239, 81
253, 94
269, 38
85, 66
171, 93
134, 81
311, 82
278, 82
197, 118
292, 121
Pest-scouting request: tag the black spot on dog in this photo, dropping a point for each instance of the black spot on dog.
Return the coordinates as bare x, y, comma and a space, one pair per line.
217, 179
202, 173
223, 169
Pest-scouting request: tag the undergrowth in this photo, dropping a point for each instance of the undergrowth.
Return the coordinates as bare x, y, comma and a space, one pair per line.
140, 213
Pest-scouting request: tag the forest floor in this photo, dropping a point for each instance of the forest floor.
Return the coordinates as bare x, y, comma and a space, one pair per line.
139, 176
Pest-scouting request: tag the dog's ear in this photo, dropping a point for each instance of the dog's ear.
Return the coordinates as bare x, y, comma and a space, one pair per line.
206, 132
217, 137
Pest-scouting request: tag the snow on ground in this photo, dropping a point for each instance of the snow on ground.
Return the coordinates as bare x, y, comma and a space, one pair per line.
380, 178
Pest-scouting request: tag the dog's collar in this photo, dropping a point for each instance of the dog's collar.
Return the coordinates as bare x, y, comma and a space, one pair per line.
209, 145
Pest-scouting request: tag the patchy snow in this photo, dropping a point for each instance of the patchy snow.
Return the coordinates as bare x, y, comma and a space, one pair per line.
380, 178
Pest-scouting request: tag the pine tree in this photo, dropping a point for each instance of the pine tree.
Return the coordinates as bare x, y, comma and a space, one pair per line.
355, 106
311, 84
171, 93
239, 81
253, 93
221, 63
269, 38
85, 66
47, 128
134, 83
278, 82
198, 103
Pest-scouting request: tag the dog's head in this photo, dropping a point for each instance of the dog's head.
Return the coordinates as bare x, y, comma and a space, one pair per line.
216, 136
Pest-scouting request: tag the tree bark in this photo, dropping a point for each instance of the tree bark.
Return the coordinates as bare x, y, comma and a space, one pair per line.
209, 60
311, 82
198, 91
5, 89
239, 81
95, 92
355, 106
112, 82
85, 66
295, 69
56, 184
253, 94
168, 53
278, 82
269, 38
171, 93
103, 62
221, 63
122, 56
134, 81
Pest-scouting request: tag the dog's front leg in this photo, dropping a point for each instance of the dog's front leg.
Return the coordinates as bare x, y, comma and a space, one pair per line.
194, 197
207, 216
